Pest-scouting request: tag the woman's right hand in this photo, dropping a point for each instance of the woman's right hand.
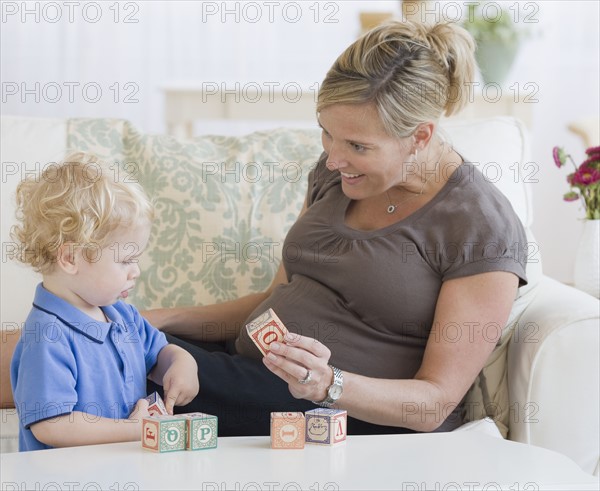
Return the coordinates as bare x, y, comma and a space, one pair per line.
303, 363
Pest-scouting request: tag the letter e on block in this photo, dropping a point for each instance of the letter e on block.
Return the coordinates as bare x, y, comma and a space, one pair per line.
150, 430
287, 430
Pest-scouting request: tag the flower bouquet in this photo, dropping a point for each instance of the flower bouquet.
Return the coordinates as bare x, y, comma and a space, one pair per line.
584, 182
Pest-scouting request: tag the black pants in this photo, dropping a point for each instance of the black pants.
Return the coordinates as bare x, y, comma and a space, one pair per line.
242, 393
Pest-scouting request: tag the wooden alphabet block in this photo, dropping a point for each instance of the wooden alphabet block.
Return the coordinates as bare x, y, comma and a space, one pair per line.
202, 431
265, 329
156, 405
287, 430
326, 426
164, 433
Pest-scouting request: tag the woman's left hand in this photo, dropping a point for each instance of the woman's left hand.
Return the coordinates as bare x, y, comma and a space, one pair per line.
302, 362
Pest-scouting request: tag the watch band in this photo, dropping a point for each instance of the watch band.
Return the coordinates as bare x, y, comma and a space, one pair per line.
334, 391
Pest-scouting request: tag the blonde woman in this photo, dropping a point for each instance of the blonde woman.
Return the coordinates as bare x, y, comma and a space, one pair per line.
410, 262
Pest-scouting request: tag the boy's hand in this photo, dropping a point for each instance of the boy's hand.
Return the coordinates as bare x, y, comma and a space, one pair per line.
76, 428
180, 383
139, 412
177, 371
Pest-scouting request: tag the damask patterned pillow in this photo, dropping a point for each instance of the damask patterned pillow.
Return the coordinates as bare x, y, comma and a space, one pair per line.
224, 205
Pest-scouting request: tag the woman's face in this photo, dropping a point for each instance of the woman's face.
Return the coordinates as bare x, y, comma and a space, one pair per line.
369, 160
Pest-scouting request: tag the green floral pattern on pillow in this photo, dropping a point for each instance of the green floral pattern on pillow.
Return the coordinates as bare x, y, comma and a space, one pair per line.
223, 205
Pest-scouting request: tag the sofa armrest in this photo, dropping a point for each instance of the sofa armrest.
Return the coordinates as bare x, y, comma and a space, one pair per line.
9, 431
8, 342
9, 420
553, 373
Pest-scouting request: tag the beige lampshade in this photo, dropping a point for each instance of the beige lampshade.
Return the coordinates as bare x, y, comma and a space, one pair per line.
369, 20
588, 129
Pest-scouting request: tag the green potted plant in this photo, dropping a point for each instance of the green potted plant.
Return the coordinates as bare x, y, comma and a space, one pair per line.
497, 37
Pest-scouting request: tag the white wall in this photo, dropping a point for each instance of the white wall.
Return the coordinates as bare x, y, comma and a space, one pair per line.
150, 44
563, 60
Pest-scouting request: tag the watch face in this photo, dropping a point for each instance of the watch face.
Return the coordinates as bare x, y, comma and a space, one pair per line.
335, 391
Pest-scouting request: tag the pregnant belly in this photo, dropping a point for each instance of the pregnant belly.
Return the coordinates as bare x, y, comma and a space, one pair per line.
310, 309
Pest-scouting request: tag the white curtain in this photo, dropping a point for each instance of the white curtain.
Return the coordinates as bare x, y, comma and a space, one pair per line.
128, 50
112, 58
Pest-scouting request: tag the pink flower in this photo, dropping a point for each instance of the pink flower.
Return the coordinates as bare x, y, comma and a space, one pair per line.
591, 161
593, 151
584, 181
560, 156
586, 176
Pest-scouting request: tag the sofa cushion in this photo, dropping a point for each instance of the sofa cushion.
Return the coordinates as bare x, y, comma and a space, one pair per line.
224, 205
498, 147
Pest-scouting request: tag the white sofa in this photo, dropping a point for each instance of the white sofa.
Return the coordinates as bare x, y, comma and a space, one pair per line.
224, 206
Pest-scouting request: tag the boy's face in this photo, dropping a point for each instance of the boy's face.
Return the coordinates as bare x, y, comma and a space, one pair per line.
105, 275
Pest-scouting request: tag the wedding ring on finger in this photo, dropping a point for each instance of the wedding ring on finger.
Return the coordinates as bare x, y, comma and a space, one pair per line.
306, 379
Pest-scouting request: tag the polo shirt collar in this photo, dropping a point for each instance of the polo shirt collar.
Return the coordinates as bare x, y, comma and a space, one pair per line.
73, 317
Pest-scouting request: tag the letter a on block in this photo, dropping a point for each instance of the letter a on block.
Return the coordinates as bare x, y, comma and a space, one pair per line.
339, 428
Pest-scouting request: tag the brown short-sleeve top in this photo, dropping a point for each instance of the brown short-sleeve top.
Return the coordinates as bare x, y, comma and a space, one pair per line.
370, 296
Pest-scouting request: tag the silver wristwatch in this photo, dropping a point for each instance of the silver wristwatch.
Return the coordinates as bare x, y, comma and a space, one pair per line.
334, 391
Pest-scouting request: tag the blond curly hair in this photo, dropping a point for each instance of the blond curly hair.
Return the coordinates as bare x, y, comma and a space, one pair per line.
80, 201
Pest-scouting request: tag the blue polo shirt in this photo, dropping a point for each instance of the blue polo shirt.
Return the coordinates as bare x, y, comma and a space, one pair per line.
66, 361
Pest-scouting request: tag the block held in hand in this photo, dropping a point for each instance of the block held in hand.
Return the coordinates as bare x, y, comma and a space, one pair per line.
266, 329
156, 406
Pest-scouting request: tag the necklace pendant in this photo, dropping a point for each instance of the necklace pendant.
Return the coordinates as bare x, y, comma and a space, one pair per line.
391, 209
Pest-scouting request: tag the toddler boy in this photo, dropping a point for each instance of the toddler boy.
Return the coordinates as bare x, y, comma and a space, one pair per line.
79, 370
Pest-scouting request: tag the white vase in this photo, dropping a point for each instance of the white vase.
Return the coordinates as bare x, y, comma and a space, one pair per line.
587, 261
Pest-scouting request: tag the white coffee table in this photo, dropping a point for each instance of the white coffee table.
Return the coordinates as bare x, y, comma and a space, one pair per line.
408, 462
